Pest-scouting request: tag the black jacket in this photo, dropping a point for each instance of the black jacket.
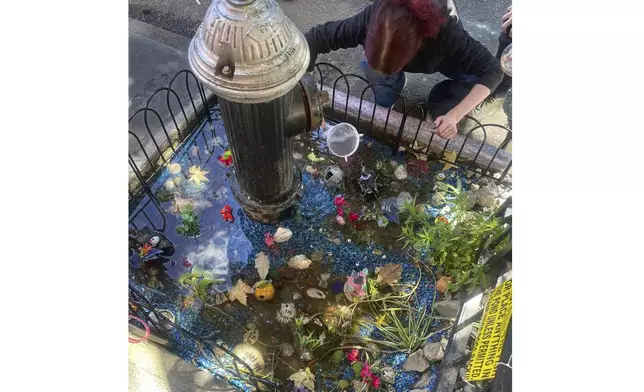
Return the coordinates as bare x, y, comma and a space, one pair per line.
452, 52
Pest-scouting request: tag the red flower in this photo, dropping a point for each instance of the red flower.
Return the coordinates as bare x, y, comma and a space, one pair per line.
443, 219
353, 217
339, 201
226, 158
269, 240
375, 381
352, 356
340, 211
366, 371
186, 262
227, 209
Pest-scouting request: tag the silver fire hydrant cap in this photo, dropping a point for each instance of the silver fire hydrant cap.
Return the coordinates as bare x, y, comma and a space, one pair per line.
248, 51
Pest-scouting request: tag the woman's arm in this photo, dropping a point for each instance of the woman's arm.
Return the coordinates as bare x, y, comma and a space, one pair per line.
340, 34
471, 58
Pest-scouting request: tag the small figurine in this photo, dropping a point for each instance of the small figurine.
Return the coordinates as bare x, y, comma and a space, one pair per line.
356, 285
226, 158
227, 214
264, 290
368, 182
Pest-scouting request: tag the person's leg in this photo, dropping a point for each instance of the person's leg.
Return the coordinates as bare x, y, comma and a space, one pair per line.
384, 96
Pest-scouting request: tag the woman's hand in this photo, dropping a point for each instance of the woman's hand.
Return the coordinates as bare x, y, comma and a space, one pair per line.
506, 21
446, 126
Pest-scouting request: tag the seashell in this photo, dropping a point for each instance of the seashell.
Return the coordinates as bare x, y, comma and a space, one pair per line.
299, 262
315, 293
323, 282
251, 355
264, 290
286, 350
297, 296
282, 234
286, 313
340, 220
356, 285
174, 168
251, 337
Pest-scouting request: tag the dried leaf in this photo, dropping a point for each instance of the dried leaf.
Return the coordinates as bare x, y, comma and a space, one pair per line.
239, 292
262, 264
449, 156
389, 274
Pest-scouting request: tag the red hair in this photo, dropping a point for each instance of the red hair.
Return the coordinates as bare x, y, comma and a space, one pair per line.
397, 30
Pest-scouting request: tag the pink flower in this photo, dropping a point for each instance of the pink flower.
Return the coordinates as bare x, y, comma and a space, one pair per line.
375, 381
340, 211
353, 217
339, 201
366, 371
352, 356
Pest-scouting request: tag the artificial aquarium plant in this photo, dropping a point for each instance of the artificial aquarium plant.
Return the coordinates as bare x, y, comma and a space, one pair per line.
190, 225
450, 242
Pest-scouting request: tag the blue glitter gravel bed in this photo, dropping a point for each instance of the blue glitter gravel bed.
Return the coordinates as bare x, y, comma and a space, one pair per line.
313, 230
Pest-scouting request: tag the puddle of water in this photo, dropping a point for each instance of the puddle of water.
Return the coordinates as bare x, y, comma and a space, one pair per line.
226, 251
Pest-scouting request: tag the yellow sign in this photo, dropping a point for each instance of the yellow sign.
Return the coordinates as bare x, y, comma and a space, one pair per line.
489, 342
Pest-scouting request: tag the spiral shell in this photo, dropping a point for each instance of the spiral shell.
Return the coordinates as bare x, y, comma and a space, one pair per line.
299, 262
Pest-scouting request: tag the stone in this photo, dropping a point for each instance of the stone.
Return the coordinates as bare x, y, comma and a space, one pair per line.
400, 172
423, 381
297, 296
309, 169
416, 362
475, 187
286, 350
462, 372
447, 308
444, 342
433, 351
402, 199
393, 164
485, 197
469, 388
298, 156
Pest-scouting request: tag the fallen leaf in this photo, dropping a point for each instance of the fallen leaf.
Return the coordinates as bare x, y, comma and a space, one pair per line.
197, 175
389, 274
239, 292
449, 156
262, 264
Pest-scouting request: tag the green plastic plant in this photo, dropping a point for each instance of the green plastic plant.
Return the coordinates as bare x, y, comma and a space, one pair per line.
190, 225
198, 283
452, 246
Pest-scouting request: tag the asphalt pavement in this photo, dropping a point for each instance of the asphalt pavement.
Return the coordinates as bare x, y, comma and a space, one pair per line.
481, 19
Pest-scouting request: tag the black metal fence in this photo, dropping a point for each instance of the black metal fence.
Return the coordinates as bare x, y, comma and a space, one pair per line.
146, 166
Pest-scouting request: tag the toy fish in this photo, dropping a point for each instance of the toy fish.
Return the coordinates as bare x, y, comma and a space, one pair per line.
226, 158
227, 214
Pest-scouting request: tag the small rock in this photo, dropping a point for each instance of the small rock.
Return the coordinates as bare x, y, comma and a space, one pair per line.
485, 197
297, 296
340, 220
423, 381
374, 349
393, 163
462, 372
433, 351
402, 198
282, 234
447, 308
400, 172
469, 388
297, 156
337, 241
445, 210
483, 181
309, 169
333, 175
444, 342
416, 362
286, 350
475, 187
388, 374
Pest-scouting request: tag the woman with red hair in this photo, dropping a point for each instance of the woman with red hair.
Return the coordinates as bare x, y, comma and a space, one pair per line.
417, 36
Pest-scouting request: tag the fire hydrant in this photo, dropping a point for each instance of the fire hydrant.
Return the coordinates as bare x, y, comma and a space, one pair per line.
254, 59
